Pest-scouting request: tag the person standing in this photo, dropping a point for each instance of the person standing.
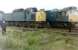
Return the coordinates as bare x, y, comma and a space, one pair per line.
2, 22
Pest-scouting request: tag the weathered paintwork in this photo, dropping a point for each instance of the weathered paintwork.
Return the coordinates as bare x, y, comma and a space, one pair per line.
40, 16
8, 17
30, 14
18, 15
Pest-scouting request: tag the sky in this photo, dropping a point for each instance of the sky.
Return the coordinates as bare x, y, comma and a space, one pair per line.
9, 5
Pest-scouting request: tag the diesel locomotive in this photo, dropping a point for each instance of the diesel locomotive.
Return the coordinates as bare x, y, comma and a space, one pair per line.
32, 17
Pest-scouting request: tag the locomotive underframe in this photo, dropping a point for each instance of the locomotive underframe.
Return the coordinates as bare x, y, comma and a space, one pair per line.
27, 23
41, 24
62, 24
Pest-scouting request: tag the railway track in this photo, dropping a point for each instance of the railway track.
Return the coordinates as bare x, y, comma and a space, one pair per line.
74, 31
75, 28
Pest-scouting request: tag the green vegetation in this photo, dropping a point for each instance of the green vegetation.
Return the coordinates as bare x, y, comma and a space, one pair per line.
41, 39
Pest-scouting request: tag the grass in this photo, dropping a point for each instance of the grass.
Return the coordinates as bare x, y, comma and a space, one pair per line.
42, 39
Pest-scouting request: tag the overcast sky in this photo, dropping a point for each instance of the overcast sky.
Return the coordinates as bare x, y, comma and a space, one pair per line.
9, 5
